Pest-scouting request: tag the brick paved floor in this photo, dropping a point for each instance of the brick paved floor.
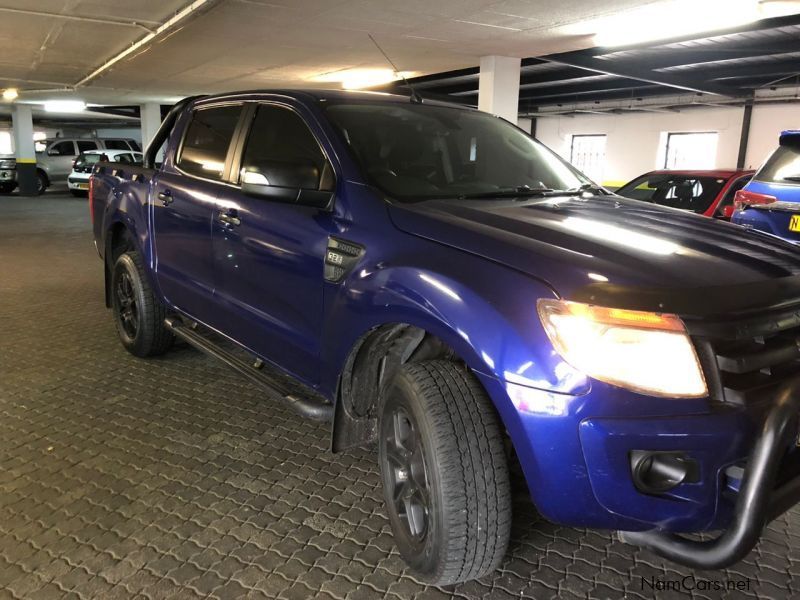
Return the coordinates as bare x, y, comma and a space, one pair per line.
165, 478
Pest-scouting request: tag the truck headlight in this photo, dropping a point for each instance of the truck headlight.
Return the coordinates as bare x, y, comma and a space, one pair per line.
646, 352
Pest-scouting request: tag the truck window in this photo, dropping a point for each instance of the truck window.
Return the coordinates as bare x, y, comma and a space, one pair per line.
282, 149
86, 145
205, 145
65, 148
116, 145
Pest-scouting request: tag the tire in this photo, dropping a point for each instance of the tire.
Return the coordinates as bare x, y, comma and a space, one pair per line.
441, 452
138, 314
41, 183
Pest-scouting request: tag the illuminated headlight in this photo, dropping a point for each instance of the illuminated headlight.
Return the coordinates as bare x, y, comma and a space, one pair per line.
650, 353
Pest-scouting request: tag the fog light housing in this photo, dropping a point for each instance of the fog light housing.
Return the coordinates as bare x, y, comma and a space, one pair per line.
656, 472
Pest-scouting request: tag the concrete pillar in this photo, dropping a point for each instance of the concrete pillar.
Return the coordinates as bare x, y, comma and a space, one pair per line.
150, 121
498, 86
22, 122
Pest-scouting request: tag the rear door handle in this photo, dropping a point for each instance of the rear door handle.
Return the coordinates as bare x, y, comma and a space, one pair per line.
165, 197
230, 218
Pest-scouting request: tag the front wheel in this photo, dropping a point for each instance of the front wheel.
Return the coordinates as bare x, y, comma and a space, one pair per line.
138, 313
445, 474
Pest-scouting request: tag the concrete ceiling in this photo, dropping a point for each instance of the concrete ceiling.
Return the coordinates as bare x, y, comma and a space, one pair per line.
240, 44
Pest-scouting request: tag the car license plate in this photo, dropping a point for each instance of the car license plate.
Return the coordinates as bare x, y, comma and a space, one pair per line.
794, 223
83, 186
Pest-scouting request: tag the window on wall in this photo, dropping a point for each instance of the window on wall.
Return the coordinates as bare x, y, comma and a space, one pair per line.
691, 150
588, 154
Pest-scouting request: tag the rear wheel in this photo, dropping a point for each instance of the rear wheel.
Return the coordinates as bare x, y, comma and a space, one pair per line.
445, 474
138, 313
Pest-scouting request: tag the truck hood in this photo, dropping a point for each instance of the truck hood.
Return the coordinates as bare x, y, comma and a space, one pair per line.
610, 249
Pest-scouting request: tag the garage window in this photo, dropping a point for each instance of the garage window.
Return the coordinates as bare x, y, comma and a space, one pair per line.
588, 154
691, 150
205, 146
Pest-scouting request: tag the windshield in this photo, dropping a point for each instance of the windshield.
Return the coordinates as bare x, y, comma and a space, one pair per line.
782, 167
687, 192
417, 152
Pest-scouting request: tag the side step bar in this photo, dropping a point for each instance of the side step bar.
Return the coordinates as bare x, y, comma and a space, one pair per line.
316, 410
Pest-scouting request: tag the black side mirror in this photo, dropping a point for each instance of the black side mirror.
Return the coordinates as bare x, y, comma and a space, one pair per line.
277, 184
316, 198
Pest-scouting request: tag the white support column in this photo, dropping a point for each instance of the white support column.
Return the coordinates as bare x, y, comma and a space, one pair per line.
498, 86
24, 151
150, 115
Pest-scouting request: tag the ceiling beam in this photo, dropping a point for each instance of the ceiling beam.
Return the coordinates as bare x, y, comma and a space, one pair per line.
596, 65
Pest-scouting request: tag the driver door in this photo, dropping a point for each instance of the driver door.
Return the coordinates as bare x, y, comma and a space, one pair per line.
268, 254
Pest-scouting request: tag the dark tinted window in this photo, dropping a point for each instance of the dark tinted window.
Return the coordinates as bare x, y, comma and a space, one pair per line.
207, 139
283, 152
419, 151
116, 145
782, 167
123, 158
678, 191
83, 146
63, 149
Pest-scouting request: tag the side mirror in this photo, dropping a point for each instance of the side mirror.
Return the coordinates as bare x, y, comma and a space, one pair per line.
258, 185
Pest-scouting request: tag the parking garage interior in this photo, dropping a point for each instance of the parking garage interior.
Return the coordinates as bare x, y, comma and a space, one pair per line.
175, 477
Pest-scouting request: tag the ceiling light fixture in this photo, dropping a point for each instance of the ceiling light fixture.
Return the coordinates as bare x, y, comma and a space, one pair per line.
10, 94
679, 18
65, 106
357, 79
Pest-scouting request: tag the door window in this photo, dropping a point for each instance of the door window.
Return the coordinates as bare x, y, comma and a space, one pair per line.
123, 158
207, 139
282, 151
85, 145
66, 148
116, 145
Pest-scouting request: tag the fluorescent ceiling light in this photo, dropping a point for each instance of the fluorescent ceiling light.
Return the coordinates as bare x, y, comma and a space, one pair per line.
10, 94
65, 106
679, 18
356, 79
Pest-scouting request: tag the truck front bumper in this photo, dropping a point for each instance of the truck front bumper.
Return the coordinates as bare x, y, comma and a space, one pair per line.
769, 487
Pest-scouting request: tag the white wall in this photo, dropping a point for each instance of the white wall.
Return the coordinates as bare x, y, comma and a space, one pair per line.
635, 142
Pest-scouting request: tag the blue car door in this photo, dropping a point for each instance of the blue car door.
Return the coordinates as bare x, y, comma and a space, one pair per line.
268, 255
183, 203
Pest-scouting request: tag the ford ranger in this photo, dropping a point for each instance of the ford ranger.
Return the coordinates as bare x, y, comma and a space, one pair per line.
432, 280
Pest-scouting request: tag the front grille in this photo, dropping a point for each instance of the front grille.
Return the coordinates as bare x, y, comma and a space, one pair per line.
747, 362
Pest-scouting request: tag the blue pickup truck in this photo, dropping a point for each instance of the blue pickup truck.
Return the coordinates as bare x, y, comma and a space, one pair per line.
431, 280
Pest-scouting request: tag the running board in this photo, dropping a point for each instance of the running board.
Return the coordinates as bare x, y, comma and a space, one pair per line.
319, 410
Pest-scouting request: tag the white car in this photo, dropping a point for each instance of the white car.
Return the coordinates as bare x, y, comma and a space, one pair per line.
78, 180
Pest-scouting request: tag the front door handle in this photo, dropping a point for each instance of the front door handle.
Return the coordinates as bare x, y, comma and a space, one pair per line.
165, 197
230, 219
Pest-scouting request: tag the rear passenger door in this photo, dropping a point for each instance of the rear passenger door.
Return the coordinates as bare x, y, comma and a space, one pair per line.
184, 202
268, 255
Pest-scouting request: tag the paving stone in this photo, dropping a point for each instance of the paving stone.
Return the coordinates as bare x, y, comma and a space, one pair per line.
173, 478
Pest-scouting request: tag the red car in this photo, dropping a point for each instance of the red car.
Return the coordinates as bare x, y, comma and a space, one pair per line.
708, 193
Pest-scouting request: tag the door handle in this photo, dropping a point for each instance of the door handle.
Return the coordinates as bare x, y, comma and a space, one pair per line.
165, 197
230, 219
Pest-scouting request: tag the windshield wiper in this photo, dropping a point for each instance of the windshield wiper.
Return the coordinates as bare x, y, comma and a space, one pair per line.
519, 192
586, 187
792, 178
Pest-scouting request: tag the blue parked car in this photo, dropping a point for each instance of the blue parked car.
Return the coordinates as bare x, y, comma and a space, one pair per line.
430, 279
771, 201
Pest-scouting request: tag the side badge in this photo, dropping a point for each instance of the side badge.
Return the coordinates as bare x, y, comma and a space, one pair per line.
340, 258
